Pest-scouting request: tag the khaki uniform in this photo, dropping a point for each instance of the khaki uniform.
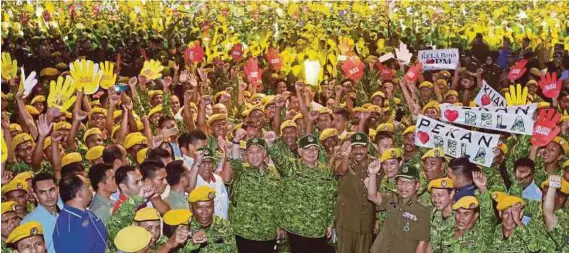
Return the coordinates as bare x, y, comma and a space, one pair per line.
406, 224
354, 213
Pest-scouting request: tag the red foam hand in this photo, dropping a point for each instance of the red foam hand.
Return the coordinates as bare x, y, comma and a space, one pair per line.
550, 85
237, 52
194, 53
517, 70
274, 58
353, 68
252, 71
385, 73
413, 73
545, 129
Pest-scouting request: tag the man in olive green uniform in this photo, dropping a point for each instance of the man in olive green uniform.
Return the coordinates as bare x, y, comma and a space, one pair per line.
442, 219
218, 231
433, 164
256, 190
355, 214
308, 197
407, 223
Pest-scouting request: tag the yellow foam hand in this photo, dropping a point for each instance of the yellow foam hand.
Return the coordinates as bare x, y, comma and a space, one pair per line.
85, 75
9, 66
152, 70
517, 95
4, 150
109, 77
61, 93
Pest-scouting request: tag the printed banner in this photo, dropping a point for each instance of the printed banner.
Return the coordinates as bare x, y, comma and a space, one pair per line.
511, 119
488, 96
456, 141
439, 59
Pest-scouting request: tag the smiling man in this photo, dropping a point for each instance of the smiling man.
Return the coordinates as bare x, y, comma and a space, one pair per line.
441, 193
202, 174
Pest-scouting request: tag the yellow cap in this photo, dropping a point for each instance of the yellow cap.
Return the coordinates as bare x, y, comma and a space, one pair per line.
445, 73
122, 79
374, 108
114, 131
28, 229
258, 96
535, 72
390, 153
134, 139
47, 143
441, 183
219, 94
498, 196
153, 93
15, 127
68, 115
117, 114
20, 139
378, 94
73, 157
97, 110
96, 102
408, 130
434, 152
132, 239
432, 104
32, 110
201, 193
502, 146
141, 155
14, 185
442, 81
216, 117
9, 206
154, 110
90, 132
328, 133
94, 153
466, 202
426, 84
177, 217
386, 127
24, 176
366, 105
509, 201
288, 123
563, 118
563, 143
545, 184
49, 72
541, 105
62, 125
359, 109
147, 214
531, 82
325, 110
297, 117
451, 93
38, 99
250, 110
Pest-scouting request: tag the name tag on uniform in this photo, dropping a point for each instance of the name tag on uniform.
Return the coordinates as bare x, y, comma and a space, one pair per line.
410, 216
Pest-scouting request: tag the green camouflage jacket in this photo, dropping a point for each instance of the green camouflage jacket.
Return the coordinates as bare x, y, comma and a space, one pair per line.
308, 196
523, 239
254, 201
5, 248
440, 229
495, 182
122, 218
220, 236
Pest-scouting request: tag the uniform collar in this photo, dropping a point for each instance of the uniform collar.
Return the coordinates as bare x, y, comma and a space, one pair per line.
74, 211
412, 200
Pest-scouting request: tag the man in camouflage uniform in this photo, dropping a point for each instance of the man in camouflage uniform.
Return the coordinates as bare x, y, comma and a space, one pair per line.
308, 198
354, 213
433, 164
442, 219
253, 211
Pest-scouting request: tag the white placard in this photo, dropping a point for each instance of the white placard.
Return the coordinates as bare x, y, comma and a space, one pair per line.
511, 119
488, 96
456, 141
439, 59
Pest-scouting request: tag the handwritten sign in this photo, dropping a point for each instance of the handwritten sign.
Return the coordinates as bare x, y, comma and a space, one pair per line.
456, 141
439, 59
488, 96
511, 119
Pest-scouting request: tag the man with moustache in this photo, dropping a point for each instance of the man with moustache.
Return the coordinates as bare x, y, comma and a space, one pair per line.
433, 163
202, 174
354, 213
442, 219
409, 147
287, 141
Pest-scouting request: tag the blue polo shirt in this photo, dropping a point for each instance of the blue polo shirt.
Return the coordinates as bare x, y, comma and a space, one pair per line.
47, 221
467, 190
79, 231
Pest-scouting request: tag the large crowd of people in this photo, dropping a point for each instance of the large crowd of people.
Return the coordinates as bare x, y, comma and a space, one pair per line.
280, 126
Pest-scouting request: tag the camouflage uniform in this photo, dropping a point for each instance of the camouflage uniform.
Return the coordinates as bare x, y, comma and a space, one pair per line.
220, 237
122, 218
441, 228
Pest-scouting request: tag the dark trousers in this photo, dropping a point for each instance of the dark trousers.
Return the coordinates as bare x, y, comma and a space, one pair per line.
250, 246
300, 244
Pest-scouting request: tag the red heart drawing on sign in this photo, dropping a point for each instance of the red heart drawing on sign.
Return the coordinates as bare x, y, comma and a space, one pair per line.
430, 61
451, 115
486, 99
423, 137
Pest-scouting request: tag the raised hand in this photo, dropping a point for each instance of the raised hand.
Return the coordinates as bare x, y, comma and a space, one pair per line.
61, 93
183, 76
114, 98
167, 82
270, 137
27, 84
152, 70
53, 112
223, 144
109, 77
550, 85
202, 73
132, 82
243, 86
346, 149
7, 176
480, 180
9, 67
128, 103
517, 70
239, 135
180, 236
206, 100
517, 95
403, 53
43, 127
554, 181
279, 101
193, 80
157, 141
545, 128
146, 191
313, 116
374, 167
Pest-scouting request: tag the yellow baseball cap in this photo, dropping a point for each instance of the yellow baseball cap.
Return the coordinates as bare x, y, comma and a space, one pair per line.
97, 110
15, 127
216, 117
47, 143
408, 130
201, 193
38, 99
117, 114
378, 94
432, 104
502, 146
250, 110
49, 72
498, 196
387, 127
509, 201
32, 110
359, 109
466, 202
147, 214
90, 132
434, 152
28, 229
154, 110
390, 153
451, 93
9, 206
325, 110
328, 133
94, 153
441, 183
219, 94
24, 175
15, 185
426, 84
153, 93
20, 139
563, 143
297, 117
132, 239
141, 155
62, 125
177, 217
73, 157
134, 139
545, 184
288, 123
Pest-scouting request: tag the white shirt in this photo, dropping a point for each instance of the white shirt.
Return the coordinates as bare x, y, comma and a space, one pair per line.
221, 201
